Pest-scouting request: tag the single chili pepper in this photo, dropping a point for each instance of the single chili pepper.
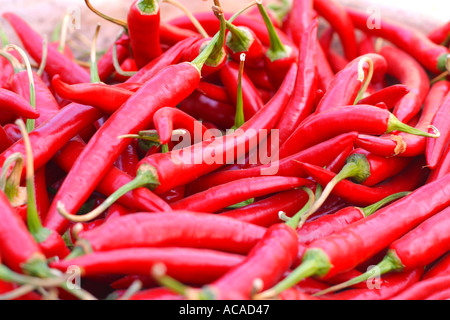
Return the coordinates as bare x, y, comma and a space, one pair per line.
424, 289
105, 97
166, 120
440, 267
435, 149
222, 196
429, 54
56, 63
11, 102
186, 264
279, 56
390, 95
302, 101
362, 195
352, 79
440, 34
206, 109
328, 224
406, 145
105, 63
213, 91
341, 22
170, 229
390, 286
325, 257
140, 199
362, 118
298, 19
321, 155
417, 248
88, 169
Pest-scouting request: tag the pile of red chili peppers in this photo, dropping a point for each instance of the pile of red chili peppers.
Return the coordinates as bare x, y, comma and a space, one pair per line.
288, 151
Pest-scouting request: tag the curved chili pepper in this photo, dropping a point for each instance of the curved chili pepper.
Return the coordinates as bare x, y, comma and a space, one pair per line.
227, 194
105, 97
143, 19
16, 105
409, 179
440, 267
213, 91
57, 63
105, 64
325, 257
302, 100
321, 155
365, 119
390, 95
435, 149
424, 289
128, 65
298, 19
197, 266
170, 229
429, 54
341, 22
166, 120
338, 163
440, 35
252, 101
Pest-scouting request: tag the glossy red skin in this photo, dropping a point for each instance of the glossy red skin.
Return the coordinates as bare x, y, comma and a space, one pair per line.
326, 73
188, 265
390, 96
17, 245
269, 259
440, 34
413, 176
298, 20
188, 170
53, 134
116, 210
213, 91
338, 163
128, 161
105, 97
409, 212
425, 243
7, 72
143, 30
361, 118
11, 102
440, 267
5, 140
193, 51
259, 78
424, 289
174, 229
435, 147
392, 285
277, 69
166, 120
345, 86
252, 102
442, 168
407, 39
222, 196
302, 101
57, 63
104, 148
141, 198
321, 154
127, 65
105, 65
171, 35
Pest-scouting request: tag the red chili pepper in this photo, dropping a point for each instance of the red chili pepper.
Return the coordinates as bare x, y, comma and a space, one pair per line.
338, 163
429, 54
128, 160
298, 19
143, 19
6, 287
413, 176
424, 289
128, 65
117, 210
166, 120
172, 35
13, 105
336, 15
321, 155
57, 63
440, 35
222, 196
302, 100
440, 267
105, 64
443, 167
435, 149
196, 266
252, 101
326, 73
213, 91
5, 141
390, 95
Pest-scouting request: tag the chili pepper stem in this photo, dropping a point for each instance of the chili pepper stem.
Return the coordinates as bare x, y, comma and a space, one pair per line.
119, 22
17, 293
367, 211
11, 184
159, 274
366, 80
191, 17
442, 64
43, 63
218, 53
395, 124
238, 40
146, 177
95, 78
239, 118
298, 218
315, 262
357, 168
388, 264
277, 49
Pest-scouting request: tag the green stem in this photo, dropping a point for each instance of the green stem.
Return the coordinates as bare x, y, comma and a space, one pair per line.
218, 53
148, 7
295, 220
3, 37
146, 177
95, 78
389, 263
118, 69
442, 63
43, 63
191, 17
17, 66
396, 125
10, 184
164, 148
119, 22
238, 39
361, 77
239, 118
63, 34
159, 274
367, 211
277, 50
